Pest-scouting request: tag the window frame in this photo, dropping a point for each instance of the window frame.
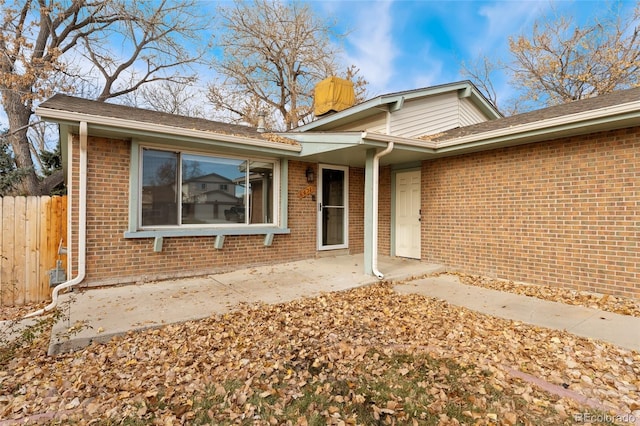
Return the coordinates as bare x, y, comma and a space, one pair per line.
136, 230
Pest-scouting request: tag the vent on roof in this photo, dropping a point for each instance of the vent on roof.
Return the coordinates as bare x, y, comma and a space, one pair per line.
333, 94
261, 122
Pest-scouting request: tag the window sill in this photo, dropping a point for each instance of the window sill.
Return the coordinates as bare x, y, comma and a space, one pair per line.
220, 233
207, 232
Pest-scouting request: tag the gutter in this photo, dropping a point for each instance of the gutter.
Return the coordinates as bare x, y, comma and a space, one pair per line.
82, 226
374, 215
376, 170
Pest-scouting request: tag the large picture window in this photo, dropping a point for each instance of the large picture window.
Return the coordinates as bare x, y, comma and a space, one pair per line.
193, 189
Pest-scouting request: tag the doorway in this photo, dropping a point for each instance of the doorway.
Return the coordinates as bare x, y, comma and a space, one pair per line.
333, 212
407, 214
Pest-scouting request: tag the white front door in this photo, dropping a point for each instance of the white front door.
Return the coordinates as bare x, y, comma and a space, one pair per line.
333, 212
407, 222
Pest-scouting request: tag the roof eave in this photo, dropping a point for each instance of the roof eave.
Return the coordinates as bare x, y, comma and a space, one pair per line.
359, 111
337, 139
481, 102
610, 118
373, 106
398, 140
62, 116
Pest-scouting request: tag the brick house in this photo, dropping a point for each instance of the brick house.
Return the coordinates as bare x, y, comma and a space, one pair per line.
436, 174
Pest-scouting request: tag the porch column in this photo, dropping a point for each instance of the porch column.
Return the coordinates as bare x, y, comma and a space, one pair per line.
368, 212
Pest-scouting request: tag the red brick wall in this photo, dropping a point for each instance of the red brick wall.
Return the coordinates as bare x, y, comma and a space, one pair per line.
356, 210
384, 212
563, 213
303, 213
112, 259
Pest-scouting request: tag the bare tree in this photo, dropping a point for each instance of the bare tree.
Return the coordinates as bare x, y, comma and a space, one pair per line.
561, 62
170, 97
272, 55
128, 43
480, 72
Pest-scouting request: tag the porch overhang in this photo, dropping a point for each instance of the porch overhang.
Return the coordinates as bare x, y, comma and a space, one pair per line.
350, 148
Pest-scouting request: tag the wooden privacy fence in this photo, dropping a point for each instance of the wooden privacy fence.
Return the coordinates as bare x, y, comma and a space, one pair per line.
32, 229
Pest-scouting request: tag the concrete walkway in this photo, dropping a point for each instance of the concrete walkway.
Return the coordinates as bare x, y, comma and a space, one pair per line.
106, 312
621, 330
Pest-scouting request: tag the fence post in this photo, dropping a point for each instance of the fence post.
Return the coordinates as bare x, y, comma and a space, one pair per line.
33, 229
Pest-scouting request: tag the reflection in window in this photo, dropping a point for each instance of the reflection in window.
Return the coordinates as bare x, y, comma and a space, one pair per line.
159, 188
333, 209
261, 191
214, 190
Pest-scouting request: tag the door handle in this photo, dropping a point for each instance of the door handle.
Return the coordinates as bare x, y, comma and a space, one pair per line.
319, 207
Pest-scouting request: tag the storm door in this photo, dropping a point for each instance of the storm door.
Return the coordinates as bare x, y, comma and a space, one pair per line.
333, 220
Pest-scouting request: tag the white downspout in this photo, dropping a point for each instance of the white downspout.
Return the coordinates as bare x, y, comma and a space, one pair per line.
82, 226
376, 166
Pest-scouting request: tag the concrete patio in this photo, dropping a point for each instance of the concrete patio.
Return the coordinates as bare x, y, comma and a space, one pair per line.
102, 313
109, 311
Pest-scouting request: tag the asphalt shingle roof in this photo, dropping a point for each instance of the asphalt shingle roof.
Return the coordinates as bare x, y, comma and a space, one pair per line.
104, 109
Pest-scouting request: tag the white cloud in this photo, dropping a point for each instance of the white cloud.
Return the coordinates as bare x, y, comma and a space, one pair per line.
423, 68
505, 19
370, 46
429, 75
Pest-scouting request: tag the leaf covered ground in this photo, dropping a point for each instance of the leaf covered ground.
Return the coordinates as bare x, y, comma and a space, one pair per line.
364, 356
605, 302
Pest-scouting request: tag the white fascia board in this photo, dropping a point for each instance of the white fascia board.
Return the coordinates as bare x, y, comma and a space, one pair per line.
355, 138
429, 91
397, 140
117, 123
551, 125
484, 105
354, 110
324, 137
319, 142
463, 90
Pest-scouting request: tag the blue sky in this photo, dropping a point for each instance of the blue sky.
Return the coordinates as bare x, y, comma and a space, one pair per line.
401, 45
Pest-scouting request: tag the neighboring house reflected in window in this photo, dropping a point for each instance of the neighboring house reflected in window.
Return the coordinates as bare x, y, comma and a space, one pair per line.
215, 190
159, 188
